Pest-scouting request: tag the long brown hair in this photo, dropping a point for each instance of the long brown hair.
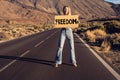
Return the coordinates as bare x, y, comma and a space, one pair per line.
68, 8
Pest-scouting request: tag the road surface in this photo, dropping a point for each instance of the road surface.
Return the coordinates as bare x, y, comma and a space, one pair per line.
32, 58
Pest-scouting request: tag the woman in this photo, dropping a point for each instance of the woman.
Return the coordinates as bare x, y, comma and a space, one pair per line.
66, 33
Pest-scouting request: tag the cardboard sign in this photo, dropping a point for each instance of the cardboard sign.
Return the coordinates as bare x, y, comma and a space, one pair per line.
66, 21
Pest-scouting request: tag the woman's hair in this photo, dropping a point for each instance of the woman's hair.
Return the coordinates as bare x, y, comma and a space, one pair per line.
68, 8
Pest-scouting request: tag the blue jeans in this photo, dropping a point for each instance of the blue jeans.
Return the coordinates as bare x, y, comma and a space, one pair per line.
66, 33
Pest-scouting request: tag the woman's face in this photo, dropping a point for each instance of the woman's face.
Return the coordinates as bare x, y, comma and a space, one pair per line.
66, 11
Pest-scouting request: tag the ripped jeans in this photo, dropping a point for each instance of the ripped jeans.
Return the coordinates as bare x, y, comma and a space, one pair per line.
66, 33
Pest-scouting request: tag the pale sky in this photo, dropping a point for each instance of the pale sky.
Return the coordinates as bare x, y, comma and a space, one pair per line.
114, 1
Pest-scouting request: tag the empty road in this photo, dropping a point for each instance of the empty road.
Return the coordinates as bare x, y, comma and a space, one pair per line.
32, 58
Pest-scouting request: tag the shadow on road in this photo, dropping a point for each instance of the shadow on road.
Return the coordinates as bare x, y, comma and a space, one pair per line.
39, 61
45, 62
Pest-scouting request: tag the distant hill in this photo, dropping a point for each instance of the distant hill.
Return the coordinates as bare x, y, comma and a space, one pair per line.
116, 7
43, 11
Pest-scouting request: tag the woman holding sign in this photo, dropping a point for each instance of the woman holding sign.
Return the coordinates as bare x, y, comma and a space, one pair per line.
66, 33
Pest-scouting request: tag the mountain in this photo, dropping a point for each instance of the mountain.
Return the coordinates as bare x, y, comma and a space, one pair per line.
43, 11
116, 8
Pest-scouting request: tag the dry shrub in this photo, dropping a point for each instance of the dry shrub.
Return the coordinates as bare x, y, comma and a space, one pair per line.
13, 31
106, 45
84, 24
112, 27
93, 35
109, 59
90, 36
96, 48
99, 33
2, 36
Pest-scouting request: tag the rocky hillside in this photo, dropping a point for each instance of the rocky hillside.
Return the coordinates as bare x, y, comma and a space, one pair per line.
116, 7
43, 11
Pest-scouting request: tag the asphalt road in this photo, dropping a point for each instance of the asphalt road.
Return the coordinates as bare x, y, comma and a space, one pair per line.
32, 58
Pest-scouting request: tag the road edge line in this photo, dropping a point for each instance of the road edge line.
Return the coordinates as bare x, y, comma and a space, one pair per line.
107, 66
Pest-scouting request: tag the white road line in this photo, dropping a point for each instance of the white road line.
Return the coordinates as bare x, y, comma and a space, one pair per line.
45, 39
109, 68
39, 43
2, 69
26, 52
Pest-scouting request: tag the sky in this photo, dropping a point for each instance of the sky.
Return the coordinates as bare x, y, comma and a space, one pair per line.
114, 1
